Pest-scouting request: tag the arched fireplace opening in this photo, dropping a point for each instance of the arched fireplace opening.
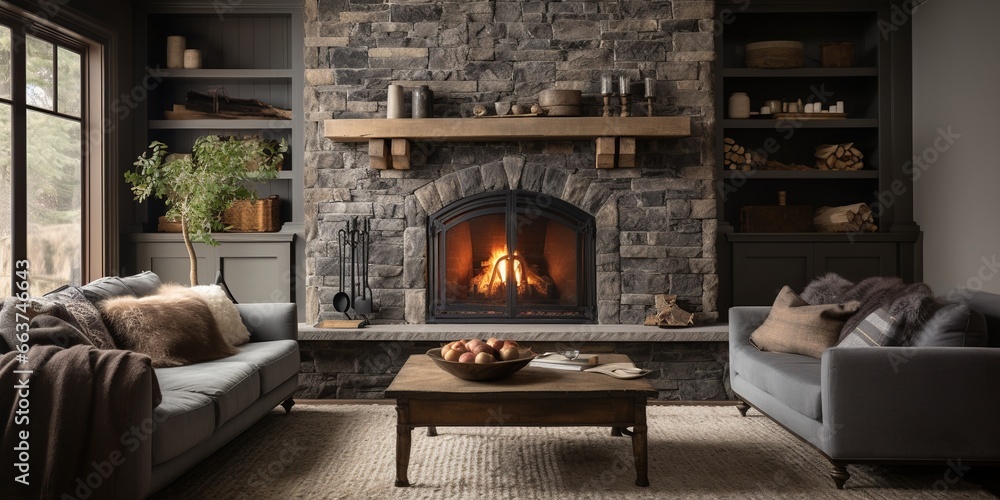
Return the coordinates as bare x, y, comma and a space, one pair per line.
511, 256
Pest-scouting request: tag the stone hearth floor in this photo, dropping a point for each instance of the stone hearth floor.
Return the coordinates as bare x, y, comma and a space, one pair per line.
718, 332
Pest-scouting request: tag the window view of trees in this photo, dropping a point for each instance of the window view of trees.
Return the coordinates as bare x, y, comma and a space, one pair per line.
54, 151
5, 159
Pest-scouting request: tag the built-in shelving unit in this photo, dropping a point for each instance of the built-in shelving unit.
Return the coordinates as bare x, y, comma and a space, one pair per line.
875, 91
252, 49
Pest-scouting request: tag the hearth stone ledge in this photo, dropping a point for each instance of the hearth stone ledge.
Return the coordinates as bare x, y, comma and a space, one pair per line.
521, 332
689, 364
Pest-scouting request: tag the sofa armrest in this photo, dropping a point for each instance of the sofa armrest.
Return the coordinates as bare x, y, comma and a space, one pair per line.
743, 321
268, 322
916, 403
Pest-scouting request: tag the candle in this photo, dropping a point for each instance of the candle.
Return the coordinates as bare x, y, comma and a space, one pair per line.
607, 85
650, 88
623, 84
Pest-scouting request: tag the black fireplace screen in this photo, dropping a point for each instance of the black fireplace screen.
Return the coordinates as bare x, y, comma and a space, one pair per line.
511, 256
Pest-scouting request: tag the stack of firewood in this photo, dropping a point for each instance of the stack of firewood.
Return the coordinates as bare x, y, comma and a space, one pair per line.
839, 157
668, 313
736, 157
856, 218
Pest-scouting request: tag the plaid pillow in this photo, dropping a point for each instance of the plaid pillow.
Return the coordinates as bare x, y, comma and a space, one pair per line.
879, 329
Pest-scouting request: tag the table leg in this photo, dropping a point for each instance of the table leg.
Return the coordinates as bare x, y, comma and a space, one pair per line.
432, 431
639, 444
403, 429
616, 432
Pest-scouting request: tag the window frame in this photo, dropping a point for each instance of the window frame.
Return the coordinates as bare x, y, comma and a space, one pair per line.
96, 207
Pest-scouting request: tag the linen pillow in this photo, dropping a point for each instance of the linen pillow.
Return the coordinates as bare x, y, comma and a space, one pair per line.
794, 326
880, 328
173, 329
227, 317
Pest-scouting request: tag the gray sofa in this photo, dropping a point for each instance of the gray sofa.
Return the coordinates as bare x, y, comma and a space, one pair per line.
906, 405
203, 405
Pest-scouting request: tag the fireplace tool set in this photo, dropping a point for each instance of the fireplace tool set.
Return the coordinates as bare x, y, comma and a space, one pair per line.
353, 241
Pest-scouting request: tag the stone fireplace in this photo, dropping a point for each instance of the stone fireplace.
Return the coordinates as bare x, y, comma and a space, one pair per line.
511, 256
460, 237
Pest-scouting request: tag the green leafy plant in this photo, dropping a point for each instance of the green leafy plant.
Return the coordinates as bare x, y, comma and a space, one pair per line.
198, 187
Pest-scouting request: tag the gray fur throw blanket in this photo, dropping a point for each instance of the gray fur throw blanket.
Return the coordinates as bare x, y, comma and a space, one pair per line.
912, 303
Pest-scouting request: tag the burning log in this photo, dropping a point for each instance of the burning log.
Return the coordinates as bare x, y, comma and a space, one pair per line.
492, 280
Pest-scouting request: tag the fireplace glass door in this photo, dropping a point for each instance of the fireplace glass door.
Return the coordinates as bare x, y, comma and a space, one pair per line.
511, 256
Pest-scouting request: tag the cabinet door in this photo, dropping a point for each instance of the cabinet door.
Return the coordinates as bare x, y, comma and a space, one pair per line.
171, 263
257, 272
761, 269
856, 261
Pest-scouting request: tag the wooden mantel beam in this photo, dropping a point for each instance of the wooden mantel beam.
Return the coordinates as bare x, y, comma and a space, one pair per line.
507, 129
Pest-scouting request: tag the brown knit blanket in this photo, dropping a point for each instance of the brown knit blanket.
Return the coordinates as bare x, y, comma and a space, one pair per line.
80, 402
911, 303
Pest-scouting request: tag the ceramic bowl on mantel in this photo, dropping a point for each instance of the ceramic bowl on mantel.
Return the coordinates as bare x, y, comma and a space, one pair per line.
482, 372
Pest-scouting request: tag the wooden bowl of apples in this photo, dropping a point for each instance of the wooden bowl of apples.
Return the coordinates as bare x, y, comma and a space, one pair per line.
481, 361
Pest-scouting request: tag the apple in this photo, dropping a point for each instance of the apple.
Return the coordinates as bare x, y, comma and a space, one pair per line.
445, 350
453, 355
467, 357
513, 343
471, 345
460, 349
509, 353
482, 348
496, 344
485, 357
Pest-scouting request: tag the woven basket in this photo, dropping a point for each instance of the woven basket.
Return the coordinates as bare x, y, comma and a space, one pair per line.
254, 216
168, 226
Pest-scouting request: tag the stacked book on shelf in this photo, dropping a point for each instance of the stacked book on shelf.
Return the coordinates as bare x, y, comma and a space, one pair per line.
560, 361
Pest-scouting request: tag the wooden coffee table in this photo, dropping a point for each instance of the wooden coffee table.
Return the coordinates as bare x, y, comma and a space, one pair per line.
428, 397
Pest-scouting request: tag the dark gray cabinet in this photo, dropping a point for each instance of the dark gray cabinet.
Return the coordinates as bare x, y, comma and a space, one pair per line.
761, 268
877, 96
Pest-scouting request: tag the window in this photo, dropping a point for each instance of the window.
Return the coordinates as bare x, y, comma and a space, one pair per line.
44, 159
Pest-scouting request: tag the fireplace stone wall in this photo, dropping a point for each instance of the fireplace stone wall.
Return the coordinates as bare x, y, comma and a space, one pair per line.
656, 223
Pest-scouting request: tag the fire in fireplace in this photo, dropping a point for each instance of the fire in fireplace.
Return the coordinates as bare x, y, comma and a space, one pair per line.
474, 276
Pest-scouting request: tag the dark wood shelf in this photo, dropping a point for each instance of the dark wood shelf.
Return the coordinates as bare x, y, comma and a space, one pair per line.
800, 174
220, 124
798, 72
276, 74
817, 123
821, 237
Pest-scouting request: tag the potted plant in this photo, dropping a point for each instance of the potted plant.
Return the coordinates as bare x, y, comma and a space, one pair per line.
198, 187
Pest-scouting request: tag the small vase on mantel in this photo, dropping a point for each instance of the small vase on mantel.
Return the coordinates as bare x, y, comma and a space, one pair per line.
739, 105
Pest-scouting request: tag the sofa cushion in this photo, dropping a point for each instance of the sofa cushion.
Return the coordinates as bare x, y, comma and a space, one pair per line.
106, 288
232, 386
986, 303
880, 328
954, 325
791, 378
795, 327
142, 284
183, 420
276, 361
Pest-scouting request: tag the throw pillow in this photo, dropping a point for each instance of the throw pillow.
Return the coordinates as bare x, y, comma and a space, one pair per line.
794, 326
953, 325
106, 288
880, 328
227, 317
48, 324
172, 329
85, 315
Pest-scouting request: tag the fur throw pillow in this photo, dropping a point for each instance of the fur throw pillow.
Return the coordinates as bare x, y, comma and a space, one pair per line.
227, 317
172, 328
911, 304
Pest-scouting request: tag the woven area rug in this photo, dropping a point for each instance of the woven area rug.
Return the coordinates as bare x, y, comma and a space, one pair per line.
348, 451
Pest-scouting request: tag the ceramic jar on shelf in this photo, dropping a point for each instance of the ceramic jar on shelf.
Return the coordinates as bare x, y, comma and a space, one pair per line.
739, 105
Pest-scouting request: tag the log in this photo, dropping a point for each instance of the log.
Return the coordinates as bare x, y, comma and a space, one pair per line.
668, 313
848, 218
838, 157
225, 105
